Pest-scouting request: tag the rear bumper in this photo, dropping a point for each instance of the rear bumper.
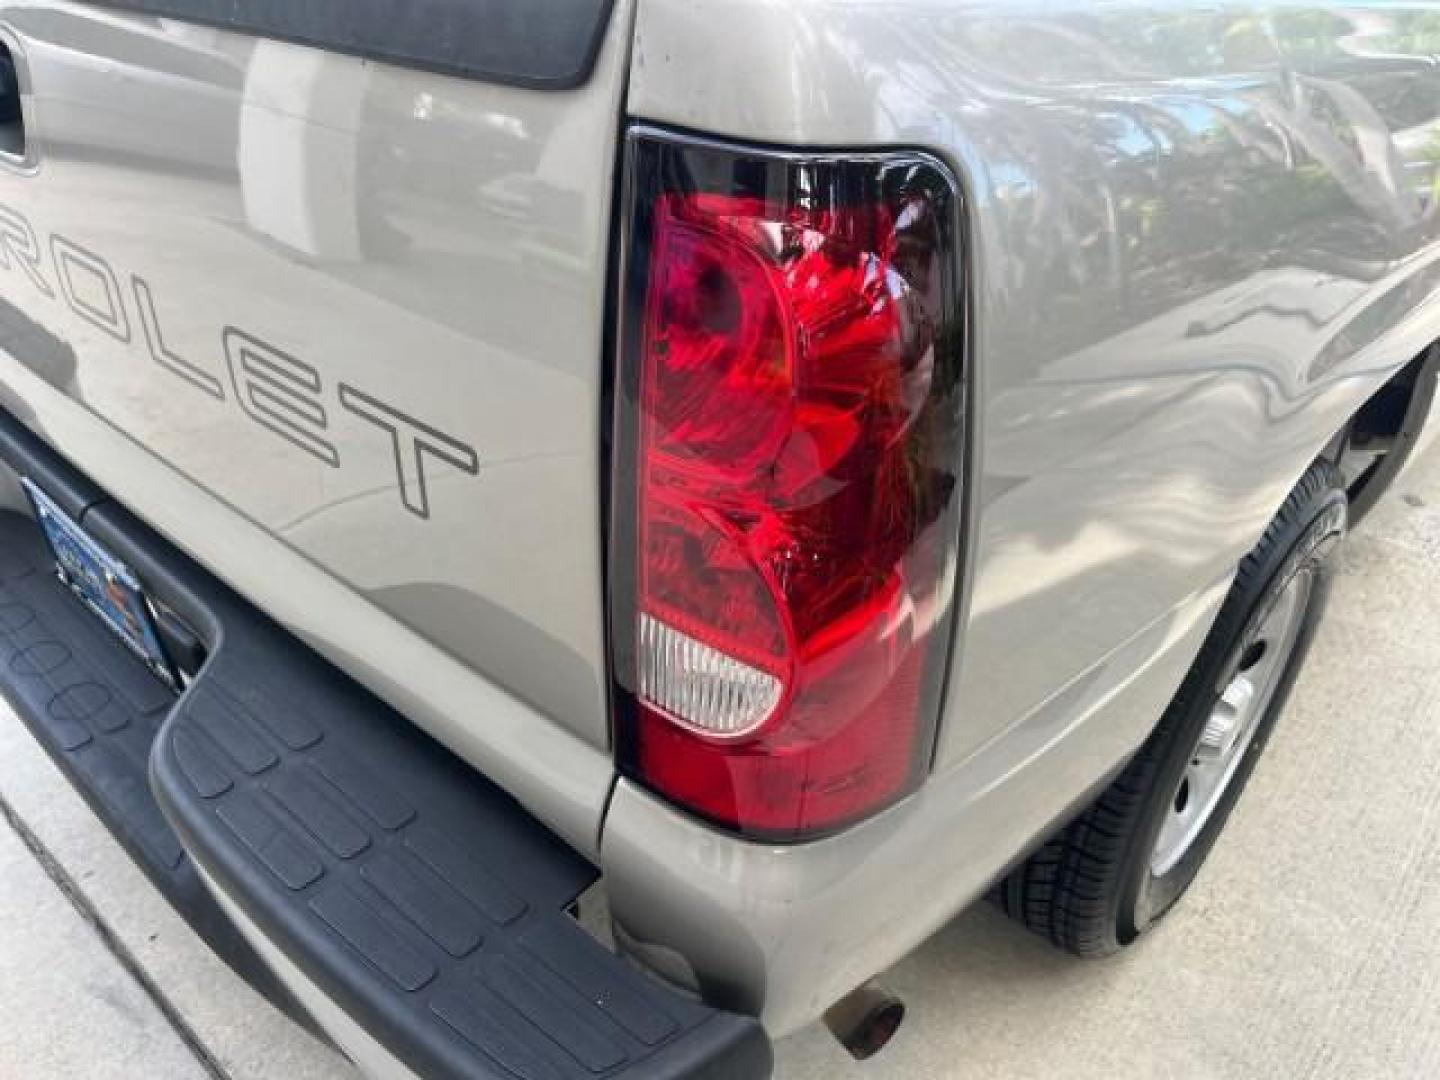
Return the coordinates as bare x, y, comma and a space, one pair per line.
353, 855
784, 931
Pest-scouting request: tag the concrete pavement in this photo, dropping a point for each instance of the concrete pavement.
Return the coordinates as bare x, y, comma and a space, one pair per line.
64, 993
1308, 948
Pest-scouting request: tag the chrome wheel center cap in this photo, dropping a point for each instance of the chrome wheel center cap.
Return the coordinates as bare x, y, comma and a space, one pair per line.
1223, 729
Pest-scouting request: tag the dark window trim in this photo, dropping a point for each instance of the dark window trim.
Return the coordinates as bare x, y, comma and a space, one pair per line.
541, 44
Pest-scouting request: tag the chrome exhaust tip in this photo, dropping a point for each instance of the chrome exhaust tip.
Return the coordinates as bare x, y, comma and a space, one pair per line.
865, 1020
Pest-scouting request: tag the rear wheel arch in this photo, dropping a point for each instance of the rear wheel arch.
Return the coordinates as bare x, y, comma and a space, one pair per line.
1379, 439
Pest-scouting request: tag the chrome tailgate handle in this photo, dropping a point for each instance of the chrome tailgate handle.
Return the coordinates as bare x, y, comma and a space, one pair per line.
12, 113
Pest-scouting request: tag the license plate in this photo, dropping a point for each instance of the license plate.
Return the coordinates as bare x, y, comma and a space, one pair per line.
103, 584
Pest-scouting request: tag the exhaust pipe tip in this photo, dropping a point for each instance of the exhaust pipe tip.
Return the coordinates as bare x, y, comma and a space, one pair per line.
865, 1020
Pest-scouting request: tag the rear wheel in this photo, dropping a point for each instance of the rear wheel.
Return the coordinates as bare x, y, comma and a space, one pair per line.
1123, 863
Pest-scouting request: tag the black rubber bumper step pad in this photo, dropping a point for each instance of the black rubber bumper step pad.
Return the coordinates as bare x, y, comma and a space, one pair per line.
96, 710
420, 897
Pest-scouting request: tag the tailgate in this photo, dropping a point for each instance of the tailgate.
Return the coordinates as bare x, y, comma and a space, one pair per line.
359, 302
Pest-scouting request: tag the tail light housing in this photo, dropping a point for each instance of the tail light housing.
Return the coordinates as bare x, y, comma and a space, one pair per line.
788, 447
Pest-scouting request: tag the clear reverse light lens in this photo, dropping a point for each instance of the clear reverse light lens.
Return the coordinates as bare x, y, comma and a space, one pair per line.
699, 685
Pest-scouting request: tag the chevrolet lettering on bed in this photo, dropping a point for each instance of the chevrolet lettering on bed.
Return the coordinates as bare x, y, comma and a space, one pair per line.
278, 391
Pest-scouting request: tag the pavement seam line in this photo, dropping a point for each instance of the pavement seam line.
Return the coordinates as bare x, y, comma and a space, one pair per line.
112, 942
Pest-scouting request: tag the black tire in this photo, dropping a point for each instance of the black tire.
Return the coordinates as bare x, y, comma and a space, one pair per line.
1091, 890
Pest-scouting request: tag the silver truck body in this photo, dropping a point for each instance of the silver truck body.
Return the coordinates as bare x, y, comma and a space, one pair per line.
1198, 240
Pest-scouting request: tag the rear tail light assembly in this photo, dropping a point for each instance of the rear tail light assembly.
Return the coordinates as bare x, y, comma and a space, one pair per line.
788, 448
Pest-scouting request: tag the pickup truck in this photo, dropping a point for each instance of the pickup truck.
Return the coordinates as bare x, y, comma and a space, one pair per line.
566, 537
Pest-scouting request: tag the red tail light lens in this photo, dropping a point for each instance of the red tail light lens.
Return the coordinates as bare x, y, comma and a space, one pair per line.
788, 452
